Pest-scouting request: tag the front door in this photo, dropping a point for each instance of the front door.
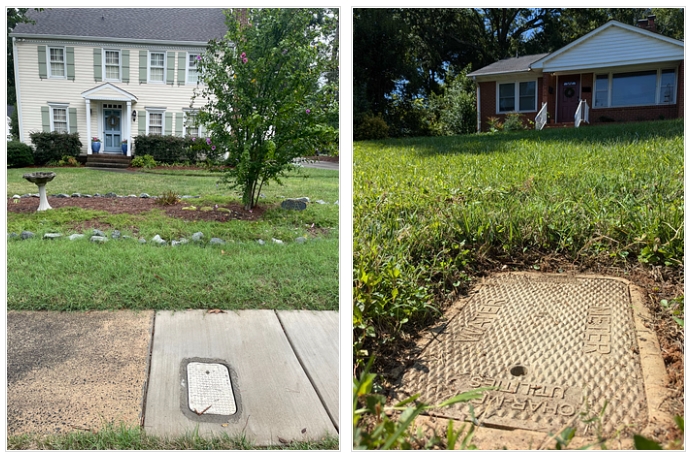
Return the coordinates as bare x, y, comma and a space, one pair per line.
112, 130
569, 96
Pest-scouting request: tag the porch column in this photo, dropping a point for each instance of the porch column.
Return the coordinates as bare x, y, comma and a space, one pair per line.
128, 122
88, 125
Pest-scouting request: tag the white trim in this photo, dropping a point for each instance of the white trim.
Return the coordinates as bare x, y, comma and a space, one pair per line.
87, 102
51, 114
148, 66
49, 61
103, 64
97, 39
156, 110
516, 95
16, 89
92, 93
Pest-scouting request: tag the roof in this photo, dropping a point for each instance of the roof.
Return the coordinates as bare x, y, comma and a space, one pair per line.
194, 25
509, 65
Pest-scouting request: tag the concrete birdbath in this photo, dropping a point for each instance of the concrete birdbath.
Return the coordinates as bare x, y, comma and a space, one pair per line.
40, 179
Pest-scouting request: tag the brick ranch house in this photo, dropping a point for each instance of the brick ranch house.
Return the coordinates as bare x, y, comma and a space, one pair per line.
617, 72
111, 73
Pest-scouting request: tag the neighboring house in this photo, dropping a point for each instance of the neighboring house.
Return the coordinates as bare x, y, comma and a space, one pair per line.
617, 72
111, 73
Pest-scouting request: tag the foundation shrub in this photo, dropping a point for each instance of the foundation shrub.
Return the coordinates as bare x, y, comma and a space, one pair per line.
52, 146
19, 154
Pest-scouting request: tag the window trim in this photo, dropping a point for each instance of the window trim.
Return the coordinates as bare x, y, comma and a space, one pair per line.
658, 88
187, 69
148, 67
59, 105
49, 62
156, 110
516, 96
105, 73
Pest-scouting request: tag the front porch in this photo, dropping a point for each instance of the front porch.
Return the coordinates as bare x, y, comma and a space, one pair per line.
109, 117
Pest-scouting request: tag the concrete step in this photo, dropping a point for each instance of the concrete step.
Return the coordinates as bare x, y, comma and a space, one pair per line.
108, 161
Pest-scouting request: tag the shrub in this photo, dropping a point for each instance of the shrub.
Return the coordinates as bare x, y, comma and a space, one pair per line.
494, 124
455, 107
19, 154
202, 149
52, 146
514, 122
161, 148
146, 161
68, 161
168, 198
370, 127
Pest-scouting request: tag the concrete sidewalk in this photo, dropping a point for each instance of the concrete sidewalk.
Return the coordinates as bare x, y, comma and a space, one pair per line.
270, 375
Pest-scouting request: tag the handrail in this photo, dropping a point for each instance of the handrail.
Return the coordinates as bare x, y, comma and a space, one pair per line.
541, 118
582, 113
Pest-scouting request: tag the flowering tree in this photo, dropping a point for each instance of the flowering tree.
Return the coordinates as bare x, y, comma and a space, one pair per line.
270, 92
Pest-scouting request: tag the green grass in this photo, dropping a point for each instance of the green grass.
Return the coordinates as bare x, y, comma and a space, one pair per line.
134, 438
80, 275
429, 212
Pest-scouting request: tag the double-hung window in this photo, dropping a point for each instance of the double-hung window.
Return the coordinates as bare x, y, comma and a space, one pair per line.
517, 97
112, 64
157, 66
59, 120
191, 127
154, 121
56, 66
192, 74
638, 88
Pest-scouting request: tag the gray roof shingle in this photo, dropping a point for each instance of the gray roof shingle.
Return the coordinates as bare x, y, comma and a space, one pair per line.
168, 24
509, 65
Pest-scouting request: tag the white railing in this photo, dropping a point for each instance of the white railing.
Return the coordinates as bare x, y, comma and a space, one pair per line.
582, 114
541, 118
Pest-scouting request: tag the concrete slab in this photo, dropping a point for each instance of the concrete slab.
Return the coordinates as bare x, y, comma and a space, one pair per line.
75, 371
557, 350
275, 400
314, 338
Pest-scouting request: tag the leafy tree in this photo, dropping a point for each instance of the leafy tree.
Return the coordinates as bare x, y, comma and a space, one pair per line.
14, 16
270, 92
456, 106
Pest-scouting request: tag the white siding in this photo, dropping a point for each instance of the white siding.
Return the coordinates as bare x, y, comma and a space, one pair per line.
614, 46
35, 92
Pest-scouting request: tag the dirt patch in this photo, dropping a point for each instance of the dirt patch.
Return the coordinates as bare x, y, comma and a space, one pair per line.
136, 205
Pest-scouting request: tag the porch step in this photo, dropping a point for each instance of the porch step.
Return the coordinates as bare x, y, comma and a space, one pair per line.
111, 161
560, 125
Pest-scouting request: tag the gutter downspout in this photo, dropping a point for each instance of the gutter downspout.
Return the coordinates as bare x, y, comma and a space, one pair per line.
16, 88
477, 106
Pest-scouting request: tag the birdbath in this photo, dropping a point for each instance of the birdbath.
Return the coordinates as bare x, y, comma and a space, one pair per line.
40, 179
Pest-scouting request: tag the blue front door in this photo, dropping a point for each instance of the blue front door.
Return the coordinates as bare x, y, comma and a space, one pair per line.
112, 130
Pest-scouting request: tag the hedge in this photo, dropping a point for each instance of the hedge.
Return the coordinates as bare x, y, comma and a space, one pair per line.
174, 149
19, 154
52, 146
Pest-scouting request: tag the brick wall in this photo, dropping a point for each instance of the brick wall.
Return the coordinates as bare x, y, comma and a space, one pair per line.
642, 113
488, 104
680, 91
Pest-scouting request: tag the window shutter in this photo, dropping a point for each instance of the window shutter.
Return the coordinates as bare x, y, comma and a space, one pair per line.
169, 123
45, 118
178, 124
125, 66
98, 67
171, 68
73, 119
182, 66
142, 122
143, 55
42, 68
69, 51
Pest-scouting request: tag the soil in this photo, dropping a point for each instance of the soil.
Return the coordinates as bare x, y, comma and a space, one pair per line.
136, 205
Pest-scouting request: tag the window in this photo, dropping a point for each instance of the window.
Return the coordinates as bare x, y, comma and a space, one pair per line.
56, 67
192, 75
157, 62
191, 128
112, 64
523, 92
640, 88
59, 118
154, 121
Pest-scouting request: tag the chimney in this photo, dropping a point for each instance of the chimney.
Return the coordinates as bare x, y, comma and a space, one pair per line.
648, 24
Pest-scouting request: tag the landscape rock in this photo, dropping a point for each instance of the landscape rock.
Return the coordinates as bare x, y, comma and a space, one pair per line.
197, 236
218, 241
25, 235
293, 204
76, 194
51, 236
97, 232
98, 239
261, 242
142, 241
97, 195
115, 234
132, 196
174, 243
300, 239
158, 240
63, 196
303, 199
206, 209
76, 236
276, 241
144, 195
88, 196
12, 235
336, 202
111, 195
321, 202
16, 196
184, 241
25, 196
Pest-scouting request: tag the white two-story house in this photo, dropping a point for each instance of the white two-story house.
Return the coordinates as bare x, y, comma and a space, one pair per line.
111, 73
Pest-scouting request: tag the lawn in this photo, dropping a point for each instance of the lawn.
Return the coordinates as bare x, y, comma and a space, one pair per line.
242, 274
432, 213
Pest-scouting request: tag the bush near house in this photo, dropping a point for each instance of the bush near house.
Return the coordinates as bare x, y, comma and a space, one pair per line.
19, 154
52, 146
169, 149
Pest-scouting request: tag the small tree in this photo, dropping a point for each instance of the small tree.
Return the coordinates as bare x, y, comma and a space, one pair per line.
270, 92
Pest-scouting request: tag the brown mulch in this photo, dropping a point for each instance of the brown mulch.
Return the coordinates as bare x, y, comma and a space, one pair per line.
136, 205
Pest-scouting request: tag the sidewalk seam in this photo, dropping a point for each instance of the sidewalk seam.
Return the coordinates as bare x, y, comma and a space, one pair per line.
148, 371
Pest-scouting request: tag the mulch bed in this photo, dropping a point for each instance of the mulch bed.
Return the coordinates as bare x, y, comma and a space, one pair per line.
136, 205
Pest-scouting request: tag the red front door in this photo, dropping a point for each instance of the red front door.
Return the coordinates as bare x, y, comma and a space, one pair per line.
569, 95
